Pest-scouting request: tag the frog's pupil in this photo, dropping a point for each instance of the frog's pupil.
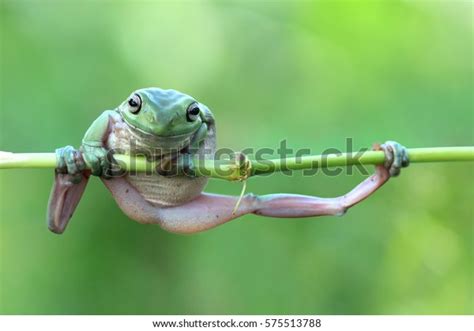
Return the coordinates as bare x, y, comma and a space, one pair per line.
194, 110
132, 102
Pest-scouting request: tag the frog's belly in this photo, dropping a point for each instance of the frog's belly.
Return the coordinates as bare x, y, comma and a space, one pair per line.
167, 191
156, 189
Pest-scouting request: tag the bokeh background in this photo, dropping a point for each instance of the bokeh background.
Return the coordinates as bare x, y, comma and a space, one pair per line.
314, 72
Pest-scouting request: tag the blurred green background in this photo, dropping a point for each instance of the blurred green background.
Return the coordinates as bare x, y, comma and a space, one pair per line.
314, 72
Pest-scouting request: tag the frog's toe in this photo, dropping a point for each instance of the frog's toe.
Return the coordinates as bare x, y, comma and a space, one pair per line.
97, 159
74, 161
396, 157
69, 160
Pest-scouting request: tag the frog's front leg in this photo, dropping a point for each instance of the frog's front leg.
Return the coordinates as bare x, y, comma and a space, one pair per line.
210, 210
96, 156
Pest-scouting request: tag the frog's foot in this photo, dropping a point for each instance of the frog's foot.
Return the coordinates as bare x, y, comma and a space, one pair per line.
70, 161
98, 159
396, 157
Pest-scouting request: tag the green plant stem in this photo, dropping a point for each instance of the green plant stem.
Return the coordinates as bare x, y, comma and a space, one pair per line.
231, 171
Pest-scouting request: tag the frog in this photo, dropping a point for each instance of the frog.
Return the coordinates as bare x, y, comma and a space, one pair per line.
173, 129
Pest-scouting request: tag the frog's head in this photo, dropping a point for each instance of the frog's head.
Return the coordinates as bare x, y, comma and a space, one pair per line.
162, 113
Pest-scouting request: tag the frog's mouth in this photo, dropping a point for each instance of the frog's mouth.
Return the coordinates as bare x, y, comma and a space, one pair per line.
178, 142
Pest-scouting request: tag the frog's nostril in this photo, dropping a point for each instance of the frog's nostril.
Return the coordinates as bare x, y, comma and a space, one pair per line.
175, 118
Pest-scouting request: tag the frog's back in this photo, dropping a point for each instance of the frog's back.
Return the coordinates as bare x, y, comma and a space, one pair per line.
156, 189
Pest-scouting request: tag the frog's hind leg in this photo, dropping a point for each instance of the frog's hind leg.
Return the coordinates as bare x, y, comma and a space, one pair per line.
210, 210
64, 198
70, 181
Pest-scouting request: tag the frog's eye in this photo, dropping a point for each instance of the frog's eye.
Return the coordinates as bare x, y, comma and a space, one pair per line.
192, 112
135, 103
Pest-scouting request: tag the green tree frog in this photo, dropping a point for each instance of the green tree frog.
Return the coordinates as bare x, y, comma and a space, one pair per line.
157, 123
